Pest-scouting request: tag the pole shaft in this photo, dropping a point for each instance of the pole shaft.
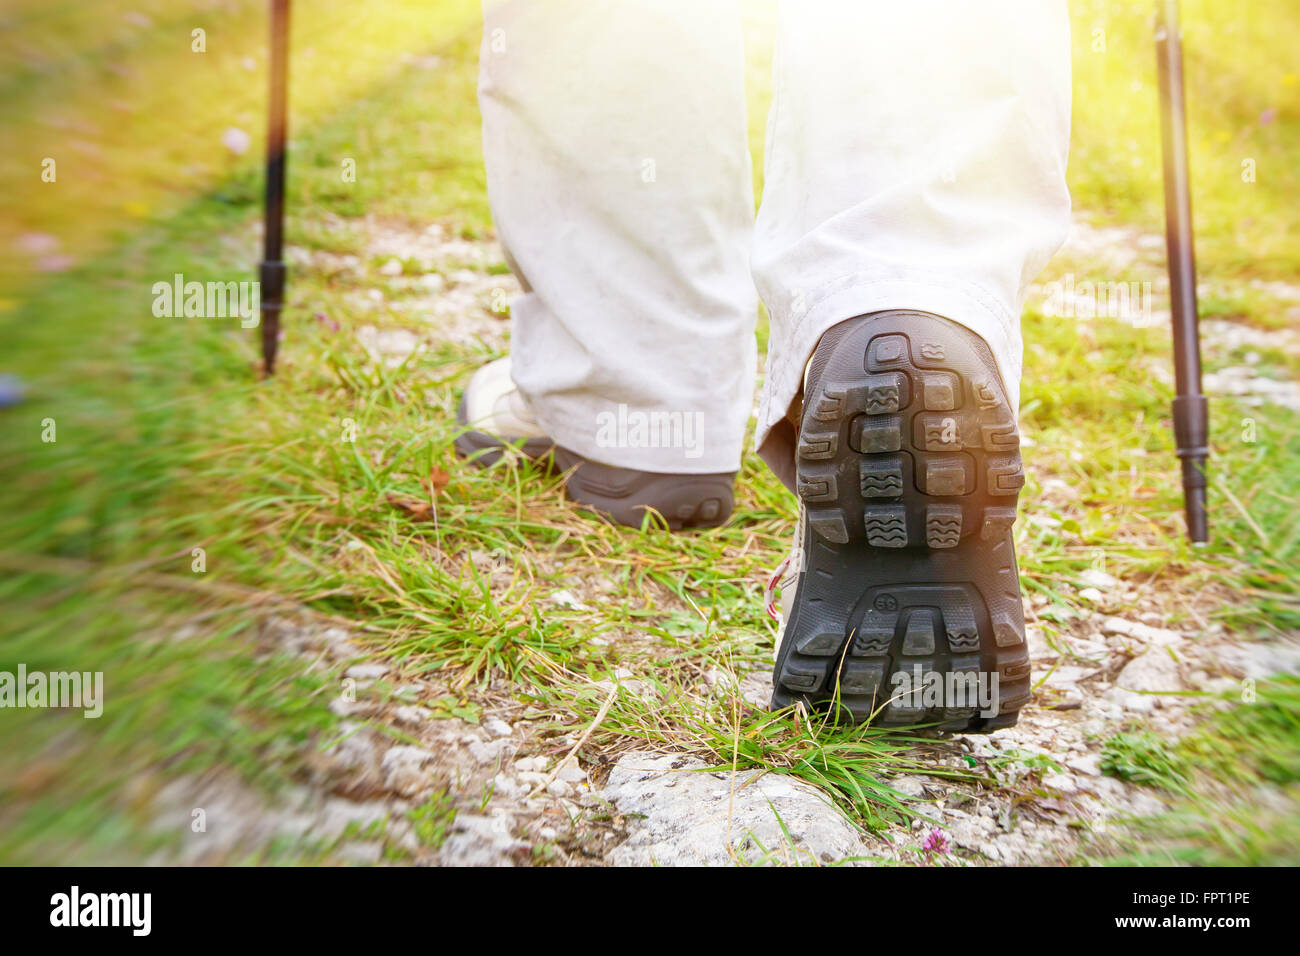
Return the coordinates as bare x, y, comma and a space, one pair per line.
272, 272
1190, 411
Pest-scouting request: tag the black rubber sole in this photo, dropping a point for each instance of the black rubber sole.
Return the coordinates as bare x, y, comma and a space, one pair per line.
909, 468
623, 495
485, 450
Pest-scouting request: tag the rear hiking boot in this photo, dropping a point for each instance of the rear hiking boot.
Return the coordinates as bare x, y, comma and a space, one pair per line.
902, 593
497, 420
498, 423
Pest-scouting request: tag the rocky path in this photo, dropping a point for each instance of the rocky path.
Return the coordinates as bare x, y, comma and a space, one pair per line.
412, 780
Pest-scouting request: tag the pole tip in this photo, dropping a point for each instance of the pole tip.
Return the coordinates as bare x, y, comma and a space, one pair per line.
1198, 522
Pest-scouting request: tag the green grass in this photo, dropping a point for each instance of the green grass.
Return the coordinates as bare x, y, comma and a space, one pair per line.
1233, 783
134, 118
1140, 757
433, 818
1243, 93
168, 442
1100, 422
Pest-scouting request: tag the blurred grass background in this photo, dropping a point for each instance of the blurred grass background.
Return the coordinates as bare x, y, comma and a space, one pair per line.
166, 439
135, 119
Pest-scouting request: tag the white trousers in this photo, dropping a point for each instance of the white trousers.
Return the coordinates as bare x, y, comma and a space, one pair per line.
915, 158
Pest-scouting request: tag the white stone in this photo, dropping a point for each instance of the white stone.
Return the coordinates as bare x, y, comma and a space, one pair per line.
910, 784
1094, 578
1261, 659
568, 599
366, 671
1060, 781
338, 814
508, 787
570, 772
1067, 676
485, 752
1039, 649
481, 841
532, 778
1089, 764
404, 769
681, 826
1128, 700
1153, 671
410, 714
356, 748
391, 346
342, 707
1088, 650
1139, 632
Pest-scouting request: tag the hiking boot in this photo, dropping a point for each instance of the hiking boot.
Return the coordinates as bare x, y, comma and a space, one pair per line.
902, 595
504, 426
500, 424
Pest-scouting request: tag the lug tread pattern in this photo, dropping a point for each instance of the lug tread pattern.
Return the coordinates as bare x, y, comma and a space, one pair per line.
943, 526
886, 526
881, 477
912, 404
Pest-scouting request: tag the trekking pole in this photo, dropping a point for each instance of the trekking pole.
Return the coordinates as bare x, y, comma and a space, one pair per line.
1191, 411
272, 266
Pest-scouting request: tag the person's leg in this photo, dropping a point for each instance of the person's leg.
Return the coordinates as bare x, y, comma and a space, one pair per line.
619, 179
915, 185
915, 159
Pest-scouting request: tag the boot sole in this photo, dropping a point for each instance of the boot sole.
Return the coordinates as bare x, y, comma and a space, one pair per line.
484, 450
909, 470
621, 495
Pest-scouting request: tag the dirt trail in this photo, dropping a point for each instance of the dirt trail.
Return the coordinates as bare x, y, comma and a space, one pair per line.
1118, 664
